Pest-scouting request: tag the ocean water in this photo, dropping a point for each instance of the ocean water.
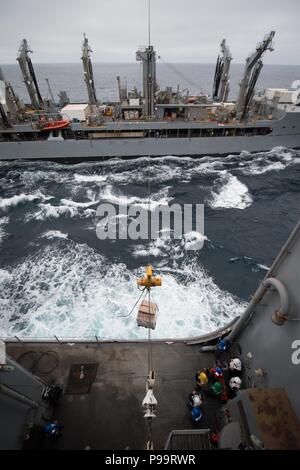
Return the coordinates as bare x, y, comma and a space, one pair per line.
58, 278
194, 77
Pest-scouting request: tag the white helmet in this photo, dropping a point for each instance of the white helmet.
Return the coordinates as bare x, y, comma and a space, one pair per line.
235, 364
235, 383
196, 400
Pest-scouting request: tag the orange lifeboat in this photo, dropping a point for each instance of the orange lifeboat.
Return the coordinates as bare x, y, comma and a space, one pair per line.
53, 125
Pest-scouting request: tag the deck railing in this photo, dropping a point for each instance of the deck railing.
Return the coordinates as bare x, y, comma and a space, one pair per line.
96, 339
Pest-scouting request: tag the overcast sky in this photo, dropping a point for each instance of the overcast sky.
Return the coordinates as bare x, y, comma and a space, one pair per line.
182, 30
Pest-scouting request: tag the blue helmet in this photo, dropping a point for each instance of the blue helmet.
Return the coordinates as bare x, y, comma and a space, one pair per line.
223, 345
196, 414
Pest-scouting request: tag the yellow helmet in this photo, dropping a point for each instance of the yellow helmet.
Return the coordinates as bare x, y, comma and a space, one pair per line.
203, 378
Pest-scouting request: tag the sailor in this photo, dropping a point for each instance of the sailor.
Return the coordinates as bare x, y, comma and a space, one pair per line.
216, 389
223, 345
195, 399
235, 384
197, 414
53, 430
216, 373
235, 367
201, 379
214, 439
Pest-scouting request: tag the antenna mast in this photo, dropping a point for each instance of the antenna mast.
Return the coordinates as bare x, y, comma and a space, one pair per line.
149, 22
147, 56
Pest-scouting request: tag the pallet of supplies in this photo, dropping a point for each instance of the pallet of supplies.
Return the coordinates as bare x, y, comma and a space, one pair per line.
147, 315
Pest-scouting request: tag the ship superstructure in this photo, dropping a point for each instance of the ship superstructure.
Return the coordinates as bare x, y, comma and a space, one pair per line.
151, 121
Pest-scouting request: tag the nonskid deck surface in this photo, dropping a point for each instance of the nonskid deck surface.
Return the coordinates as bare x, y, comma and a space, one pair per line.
110, 416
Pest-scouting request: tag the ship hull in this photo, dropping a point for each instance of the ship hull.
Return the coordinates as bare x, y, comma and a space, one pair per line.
88, 142
109, 148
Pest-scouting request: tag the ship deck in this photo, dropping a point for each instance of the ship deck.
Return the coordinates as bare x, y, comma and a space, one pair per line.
109, 415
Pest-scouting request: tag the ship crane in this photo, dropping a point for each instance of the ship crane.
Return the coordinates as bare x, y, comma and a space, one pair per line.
88, 71
221, 79
29, 76
4, 117
10, 103
252, 70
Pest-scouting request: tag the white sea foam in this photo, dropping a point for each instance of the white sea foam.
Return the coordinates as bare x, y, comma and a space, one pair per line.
116, 197
3, 221
52, 234
66, 208
264, 267
230, 193
194, 240
7, 203
90, 178
256, 168
158, 247
75, 292
47, 211
5, 276
277, 159
70, 203
167, 247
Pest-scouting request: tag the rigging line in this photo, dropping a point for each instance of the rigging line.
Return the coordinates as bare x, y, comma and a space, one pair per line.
128, 314
182, 75
149, 207
149, 256
149, 22
150, 360
149, 195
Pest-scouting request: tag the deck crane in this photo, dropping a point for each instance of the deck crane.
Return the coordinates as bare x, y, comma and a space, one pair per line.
29, 76
252, 70
4, 117
9, 101
88, 71
221, 79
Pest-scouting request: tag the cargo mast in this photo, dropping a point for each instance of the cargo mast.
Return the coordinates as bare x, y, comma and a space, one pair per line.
147, 56
9, 101
252, 70
221, 80
88, 71
29, 76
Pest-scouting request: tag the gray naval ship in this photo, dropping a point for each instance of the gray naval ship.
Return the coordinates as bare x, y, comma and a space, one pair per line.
95, 389
152, 121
